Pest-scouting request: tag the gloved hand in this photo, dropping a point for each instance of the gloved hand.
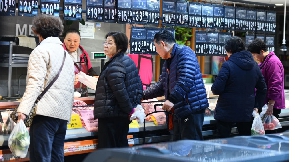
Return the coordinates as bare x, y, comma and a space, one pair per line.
138, 114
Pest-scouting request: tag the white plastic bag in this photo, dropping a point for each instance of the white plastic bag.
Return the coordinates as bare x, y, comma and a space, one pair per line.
138, 114
257, 126
19, 140
270, 122
87, 80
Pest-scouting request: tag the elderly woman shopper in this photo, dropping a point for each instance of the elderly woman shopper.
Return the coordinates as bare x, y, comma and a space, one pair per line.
118, 91
47, 60
80, 58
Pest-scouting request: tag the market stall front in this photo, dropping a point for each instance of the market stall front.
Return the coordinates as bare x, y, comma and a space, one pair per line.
79, 140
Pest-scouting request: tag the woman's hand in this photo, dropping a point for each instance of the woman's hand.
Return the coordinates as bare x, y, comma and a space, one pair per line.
21, 116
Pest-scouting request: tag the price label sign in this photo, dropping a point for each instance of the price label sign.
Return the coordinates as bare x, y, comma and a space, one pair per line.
153, 11
182, 13
50, 7
124, 12
73, 10
75, 122
251, 16
229, 18
94, 10
218, 16
139, 16
207, 16
7, 7
139, 4
110, 11
169, 13
261, 21
249, 39
28, 7
195, 15
138, 40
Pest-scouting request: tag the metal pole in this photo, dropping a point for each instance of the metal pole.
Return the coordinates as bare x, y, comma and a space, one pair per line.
284, 39
9, 69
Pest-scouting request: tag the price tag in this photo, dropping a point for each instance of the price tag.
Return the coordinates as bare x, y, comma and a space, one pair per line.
130, 141
124, 16
50, 7
134, 124
28, 7
153, 17
75, 122
109, 15
7, 7
72, 11
94, 10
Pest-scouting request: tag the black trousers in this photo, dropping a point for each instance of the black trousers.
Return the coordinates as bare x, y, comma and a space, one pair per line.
112, 132
224, 128
47, 137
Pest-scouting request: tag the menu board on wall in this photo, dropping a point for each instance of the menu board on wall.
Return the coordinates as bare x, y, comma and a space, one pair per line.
169, 13
73, 9
50, 7
153, 11
124, 12
270, 42
139, 11
195, 15
94, 10
7, 7
28, 7
110, 11
181, 14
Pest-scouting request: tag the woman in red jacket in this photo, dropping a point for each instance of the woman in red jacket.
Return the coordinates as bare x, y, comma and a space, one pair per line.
80, 57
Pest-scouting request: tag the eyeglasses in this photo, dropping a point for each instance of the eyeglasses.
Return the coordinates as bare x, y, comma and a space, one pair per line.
107, 44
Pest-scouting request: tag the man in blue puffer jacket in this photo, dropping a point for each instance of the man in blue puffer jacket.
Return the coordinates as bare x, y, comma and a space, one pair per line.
182, 85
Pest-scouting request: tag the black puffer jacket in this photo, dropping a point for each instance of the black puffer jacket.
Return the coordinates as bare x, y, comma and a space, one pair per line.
118, 89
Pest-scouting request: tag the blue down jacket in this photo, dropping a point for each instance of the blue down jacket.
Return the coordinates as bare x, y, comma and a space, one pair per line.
181, 82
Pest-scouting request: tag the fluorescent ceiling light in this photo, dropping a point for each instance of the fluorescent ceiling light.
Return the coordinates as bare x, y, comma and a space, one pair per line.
280, 4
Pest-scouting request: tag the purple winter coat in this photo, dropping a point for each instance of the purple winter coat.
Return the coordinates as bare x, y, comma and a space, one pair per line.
273, 71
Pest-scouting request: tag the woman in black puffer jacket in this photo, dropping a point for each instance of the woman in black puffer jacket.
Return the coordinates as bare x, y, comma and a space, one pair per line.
118, 91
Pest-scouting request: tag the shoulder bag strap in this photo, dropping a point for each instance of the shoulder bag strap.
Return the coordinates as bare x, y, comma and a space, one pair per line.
51, 83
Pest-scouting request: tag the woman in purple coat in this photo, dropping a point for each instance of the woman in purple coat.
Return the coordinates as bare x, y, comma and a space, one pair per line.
273, 71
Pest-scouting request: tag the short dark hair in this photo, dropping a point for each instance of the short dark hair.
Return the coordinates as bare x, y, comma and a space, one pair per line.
256, 46
47, 26
121, 40
165, 36
72, 30
234, 44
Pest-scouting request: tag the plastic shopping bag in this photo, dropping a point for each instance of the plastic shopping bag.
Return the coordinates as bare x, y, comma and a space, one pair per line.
19, 140
257, 126
138, 114
270, 122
